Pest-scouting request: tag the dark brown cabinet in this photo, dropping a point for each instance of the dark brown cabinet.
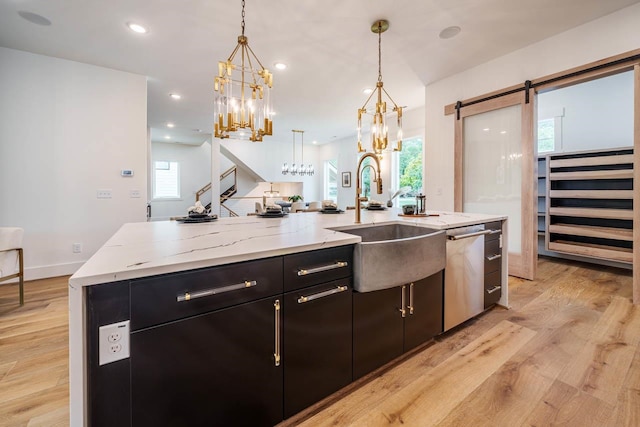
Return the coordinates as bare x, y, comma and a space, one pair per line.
423, 318
377, 329
317, 343
251, 343
218, 368
388, 322
206, 345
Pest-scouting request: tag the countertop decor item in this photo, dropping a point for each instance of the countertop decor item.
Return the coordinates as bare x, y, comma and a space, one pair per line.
418, 215
420, 203
378, 112
409, 209
197, 219
242, 104
197, 210
268, 214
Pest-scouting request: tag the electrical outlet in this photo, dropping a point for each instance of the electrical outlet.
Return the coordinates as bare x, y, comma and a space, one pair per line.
103, 194
76, 248
114, 337
113, 342
439, 191
134, 194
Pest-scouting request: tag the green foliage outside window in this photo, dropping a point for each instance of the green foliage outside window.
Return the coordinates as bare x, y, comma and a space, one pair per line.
411, 165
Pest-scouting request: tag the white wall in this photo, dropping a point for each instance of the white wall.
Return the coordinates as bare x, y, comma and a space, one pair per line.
195, 173
66, 130
596, 114
611, 35
345, 151
266, 159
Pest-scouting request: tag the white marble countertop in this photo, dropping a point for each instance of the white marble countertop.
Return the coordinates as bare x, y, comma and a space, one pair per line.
150, 248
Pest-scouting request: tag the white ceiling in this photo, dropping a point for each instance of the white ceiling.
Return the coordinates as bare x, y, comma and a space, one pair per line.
329, 47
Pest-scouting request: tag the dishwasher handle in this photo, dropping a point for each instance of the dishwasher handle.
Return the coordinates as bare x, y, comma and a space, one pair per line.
466, 236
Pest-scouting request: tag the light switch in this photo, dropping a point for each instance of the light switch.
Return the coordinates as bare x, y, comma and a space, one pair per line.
104, 194
134, 194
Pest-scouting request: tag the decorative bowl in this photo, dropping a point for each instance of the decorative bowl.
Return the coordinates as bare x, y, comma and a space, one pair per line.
409, 209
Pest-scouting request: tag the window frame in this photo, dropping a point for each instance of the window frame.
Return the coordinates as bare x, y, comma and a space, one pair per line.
326, 184
155, 197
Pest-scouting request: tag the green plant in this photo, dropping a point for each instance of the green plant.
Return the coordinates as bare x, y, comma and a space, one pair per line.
295, 198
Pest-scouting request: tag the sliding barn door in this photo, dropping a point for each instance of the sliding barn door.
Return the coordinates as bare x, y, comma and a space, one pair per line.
495, 171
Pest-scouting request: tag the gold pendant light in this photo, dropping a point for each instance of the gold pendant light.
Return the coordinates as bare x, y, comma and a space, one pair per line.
379, 128
242, 105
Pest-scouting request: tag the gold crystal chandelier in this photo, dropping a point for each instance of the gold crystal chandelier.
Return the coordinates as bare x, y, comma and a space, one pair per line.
242, 106
379, 129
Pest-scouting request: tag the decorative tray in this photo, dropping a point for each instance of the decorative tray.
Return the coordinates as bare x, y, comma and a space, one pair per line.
197, 219
376, 208
419, 215
331, 211
272, 215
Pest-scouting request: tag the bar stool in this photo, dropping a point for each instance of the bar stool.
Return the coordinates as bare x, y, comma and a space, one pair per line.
11, 256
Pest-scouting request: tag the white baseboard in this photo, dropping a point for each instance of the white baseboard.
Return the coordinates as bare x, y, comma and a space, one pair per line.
46, 271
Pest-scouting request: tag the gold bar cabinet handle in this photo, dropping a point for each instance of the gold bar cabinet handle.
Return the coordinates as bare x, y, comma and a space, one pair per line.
338, 264
187, 296
276, 354
323, 294
410, 306
403, 302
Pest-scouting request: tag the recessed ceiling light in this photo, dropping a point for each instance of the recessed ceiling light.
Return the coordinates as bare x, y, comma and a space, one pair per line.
280, 65
34, 18
503, 132
170, 125
137, 28
486, 129
314, 142
167, 137
175, 96
450, 32
197, 130
367, 90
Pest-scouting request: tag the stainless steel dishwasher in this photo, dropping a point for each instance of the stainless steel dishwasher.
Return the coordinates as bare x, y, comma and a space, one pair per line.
464, 274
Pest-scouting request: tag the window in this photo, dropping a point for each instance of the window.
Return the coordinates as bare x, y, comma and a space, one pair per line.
166, 180
549, 124
331, 180
408, 170
546, 135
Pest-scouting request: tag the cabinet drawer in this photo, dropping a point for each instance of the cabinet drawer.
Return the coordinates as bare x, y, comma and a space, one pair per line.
161, 299
492, 256
491, 291
496, 230
314, 267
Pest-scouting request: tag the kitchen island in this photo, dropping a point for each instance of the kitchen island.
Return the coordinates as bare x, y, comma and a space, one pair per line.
143, 250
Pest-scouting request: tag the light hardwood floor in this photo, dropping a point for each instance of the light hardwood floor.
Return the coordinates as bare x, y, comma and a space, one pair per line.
567, 353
